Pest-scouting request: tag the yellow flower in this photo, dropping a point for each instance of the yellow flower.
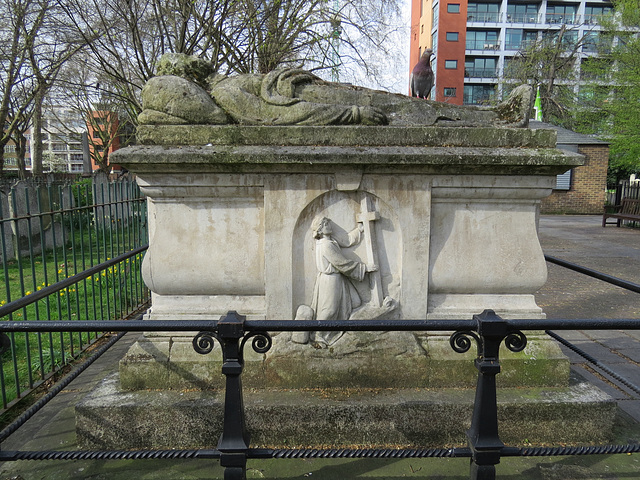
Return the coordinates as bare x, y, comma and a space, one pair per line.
2, 302
28, 292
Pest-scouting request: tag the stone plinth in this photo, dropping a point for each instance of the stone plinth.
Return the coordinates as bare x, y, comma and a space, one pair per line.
230, 210
453, 212
417, 417
231, 207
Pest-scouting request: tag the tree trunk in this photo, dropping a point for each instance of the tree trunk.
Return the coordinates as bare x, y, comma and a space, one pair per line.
36, 133
21, 151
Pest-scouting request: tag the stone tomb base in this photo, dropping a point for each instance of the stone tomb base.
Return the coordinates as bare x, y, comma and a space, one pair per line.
112, 418
358, 359
340, 396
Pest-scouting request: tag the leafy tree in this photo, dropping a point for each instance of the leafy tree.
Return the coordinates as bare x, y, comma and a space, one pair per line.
34, 44
548, 63
621, 108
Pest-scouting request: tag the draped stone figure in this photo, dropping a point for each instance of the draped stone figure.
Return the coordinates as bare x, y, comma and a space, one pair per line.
188, 91
334, 296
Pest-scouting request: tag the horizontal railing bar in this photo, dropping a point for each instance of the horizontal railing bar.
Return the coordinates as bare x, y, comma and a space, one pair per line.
10, 456
249, 325
576, 324
67, 282
315, 325
93, 206
289, 453
634, 287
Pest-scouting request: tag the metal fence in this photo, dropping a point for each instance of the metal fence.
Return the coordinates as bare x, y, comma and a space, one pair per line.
69, 252
623, 190
232, 332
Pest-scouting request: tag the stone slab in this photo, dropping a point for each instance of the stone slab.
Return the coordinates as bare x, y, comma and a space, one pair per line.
358, 359
111, 418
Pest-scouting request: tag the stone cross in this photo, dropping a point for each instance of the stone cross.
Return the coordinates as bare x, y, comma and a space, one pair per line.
367, 216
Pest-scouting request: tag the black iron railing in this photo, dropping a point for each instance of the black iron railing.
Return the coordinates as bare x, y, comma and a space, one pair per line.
233, 331
67, 252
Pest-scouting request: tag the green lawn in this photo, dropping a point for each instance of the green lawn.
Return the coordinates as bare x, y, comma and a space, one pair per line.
111, 294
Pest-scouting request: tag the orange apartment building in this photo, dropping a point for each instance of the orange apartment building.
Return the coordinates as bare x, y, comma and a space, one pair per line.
474, 40
103, 132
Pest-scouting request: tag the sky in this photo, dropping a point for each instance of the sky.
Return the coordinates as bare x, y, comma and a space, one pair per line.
393, 68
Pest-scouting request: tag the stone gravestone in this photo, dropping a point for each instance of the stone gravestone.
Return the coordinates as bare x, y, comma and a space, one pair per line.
32, 232
283, 196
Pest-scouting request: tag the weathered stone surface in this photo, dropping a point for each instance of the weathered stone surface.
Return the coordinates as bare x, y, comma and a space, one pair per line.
455, 211
358, 359
174, 100
356, 135
110, 418
289, 96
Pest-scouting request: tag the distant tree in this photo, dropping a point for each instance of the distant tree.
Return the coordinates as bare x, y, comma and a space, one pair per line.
126, 38
22, 22
34, 44
549, 63
94, 106
622, 106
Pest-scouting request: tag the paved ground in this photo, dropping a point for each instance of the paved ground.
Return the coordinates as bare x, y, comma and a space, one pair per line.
582, 240
611, 250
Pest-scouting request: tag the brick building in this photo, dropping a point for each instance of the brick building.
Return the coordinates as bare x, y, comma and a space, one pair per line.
473, 41
581, 189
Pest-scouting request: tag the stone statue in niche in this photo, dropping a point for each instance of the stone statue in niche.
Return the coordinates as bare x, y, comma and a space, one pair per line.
334, 296
188, 91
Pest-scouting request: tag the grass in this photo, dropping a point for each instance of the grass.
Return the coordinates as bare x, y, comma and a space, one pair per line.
110, 294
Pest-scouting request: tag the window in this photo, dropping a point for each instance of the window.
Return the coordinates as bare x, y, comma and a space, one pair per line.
482, 67
569, 37
482, 40
453, 8
449, 92
594, 43
516, 39
592, 14
451, 64
478, 94
563, 181
561, 13
483, 12
521, 13
452, 36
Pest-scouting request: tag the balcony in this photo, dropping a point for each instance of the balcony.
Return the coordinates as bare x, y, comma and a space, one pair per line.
522, 18
481, 72
483, 45
487, 17
562, 18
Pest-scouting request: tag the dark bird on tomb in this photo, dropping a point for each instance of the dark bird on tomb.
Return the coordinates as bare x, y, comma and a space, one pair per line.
422, 76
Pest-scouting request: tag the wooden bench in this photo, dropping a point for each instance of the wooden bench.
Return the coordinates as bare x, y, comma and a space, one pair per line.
629, 209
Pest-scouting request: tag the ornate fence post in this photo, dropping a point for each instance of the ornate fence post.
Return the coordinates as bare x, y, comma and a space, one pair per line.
483, 438
234, 441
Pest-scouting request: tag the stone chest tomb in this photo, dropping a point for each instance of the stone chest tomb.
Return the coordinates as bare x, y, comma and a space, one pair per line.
404, 219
